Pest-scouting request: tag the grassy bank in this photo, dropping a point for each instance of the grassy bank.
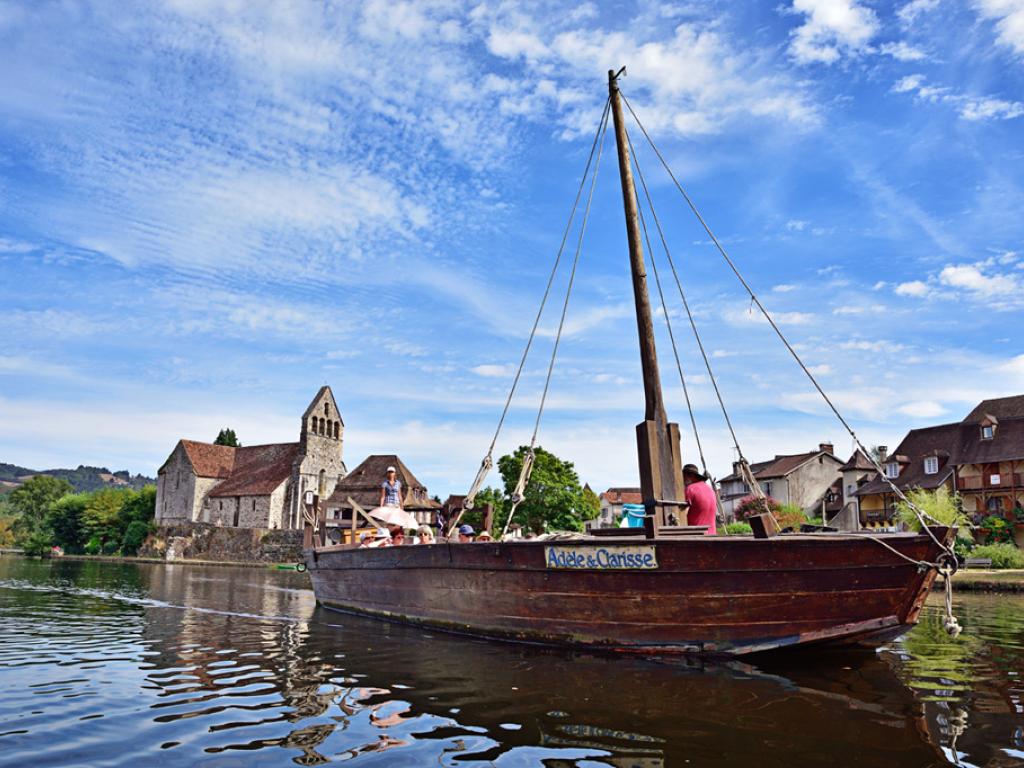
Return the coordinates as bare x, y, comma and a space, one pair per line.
158, 561
987, 581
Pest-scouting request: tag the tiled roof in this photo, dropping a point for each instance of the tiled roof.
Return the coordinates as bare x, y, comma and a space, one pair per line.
916, 446
209, 460
1007, 443
1000, 407
622, 496
363, 484
258, 470
858, 461
780, 466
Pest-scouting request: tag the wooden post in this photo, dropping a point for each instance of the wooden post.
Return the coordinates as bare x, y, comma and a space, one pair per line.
661, 476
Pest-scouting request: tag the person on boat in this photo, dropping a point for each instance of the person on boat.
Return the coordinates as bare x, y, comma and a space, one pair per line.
425, 535
379, 538
484, 536
466, 533
701, 498
398, 538
391, 490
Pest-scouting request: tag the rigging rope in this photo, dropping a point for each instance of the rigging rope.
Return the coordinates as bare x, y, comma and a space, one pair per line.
720, 511
744, 467
528, 459
921, 515
488, 461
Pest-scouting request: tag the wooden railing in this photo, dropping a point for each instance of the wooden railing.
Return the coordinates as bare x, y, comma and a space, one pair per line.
980, 482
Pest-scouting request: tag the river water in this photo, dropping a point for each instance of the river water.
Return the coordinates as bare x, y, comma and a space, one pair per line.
105, 664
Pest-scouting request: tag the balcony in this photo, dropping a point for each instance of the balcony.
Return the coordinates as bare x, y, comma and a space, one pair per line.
984, 482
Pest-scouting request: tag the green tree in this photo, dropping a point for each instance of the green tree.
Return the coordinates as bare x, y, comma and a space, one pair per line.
227, 436
31, 501
64, 520
134, 535
102, 518
554, 499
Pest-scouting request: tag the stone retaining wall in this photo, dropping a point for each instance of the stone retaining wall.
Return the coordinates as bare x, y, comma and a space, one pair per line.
202, 541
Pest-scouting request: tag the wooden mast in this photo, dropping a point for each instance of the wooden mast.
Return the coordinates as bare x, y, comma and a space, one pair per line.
661, 477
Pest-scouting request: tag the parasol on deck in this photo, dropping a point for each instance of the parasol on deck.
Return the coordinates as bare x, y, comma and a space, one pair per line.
394, 516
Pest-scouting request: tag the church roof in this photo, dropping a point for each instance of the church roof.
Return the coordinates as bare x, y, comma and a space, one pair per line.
209, 460
252, 470
363, 484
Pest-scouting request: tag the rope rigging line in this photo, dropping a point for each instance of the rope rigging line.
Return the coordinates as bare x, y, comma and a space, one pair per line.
744, 467
719, 510
919, 513
528, 459
488, 461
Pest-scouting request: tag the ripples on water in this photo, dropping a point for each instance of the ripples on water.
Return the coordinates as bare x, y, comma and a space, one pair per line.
111, 665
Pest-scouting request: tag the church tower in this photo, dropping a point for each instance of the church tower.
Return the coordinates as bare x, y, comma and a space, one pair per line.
319, 464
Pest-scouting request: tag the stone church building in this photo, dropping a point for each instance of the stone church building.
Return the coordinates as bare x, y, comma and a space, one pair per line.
255, 486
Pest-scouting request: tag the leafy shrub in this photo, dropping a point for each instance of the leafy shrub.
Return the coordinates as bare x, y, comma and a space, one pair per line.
939, 504
93, 546
749, 506
738, 528
963, 548
134, 536
790, 516
37, 543
999, 530
1002, 555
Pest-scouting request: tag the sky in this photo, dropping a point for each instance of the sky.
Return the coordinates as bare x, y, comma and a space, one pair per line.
210, 208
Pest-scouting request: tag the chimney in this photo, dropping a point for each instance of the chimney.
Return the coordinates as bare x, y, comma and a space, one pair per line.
826, 448
883, 451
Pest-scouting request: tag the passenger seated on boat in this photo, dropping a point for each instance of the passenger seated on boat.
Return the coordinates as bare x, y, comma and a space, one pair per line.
701, 498
424, 535
398, 538
379, 538
466, 533
484, 536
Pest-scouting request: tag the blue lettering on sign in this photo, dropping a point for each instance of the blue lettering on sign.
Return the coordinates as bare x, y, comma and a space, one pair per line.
608, 558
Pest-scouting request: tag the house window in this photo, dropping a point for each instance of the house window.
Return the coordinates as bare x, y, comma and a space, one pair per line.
995, 504
254, 505
892, 469
766, 486
931, 465
850, 489
988, 432
994, 479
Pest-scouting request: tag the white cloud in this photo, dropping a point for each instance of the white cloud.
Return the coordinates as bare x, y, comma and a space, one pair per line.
796, 225
831, 29
493, 371
1009, 21
783, 288
8, 245
973, 108
922, 409
820, 370
914, 288
747, 316
864, 345
971, 278
909, 12
903, 51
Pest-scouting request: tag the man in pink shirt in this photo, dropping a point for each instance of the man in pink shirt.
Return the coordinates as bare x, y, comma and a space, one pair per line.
701, 498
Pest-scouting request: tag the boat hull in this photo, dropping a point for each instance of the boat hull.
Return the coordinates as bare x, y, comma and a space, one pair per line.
702, 595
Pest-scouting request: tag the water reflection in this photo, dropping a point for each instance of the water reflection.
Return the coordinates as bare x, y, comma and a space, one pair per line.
174, 665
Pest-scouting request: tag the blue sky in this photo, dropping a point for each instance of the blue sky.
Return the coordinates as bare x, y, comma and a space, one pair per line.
209, 209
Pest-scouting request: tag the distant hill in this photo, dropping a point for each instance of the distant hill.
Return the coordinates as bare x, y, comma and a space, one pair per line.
82, 479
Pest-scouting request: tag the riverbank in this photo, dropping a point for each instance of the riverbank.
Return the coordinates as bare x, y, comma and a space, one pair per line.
987, 581
159, 561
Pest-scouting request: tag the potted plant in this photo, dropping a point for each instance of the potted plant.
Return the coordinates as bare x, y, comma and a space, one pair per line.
996, 529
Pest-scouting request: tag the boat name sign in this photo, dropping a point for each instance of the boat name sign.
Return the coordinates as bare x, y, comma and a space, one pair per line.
616, 557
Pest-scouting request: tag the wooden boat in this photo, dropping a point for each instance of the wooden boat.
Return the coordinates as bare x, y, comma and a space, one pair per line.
664, 593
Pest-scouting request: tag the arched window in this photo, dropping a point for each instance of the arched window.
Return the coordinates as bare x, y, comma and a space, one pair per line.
322, 426
337, 430
312, 424
327, 409
322, 484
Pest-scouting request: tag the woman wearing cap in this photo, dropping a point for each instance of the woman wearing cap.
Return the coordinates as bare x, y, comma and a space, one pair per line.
391, 490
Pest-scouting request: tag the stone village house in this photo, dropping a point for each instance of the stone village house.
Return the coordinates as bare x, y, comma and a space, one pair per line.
255, 486
803, 479
362, 485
